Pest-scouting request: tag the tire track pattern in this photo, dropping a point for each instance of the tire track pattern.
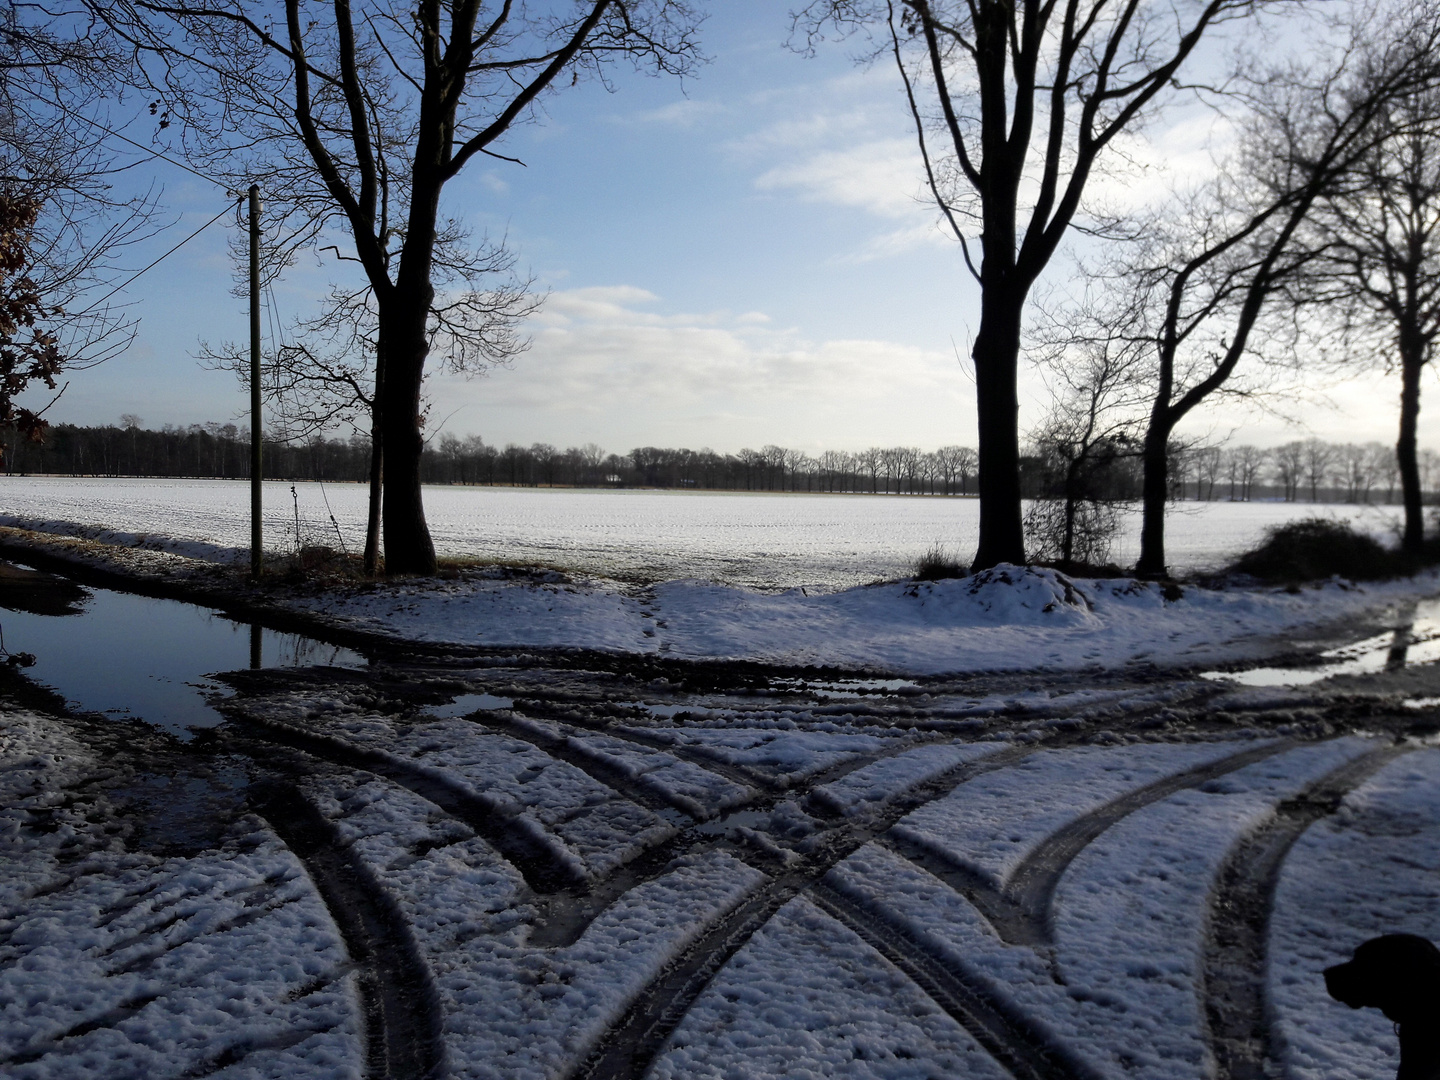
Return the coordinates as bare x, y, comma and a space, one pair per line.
1233, 973
632, 1044
1020, 912
543, 871
1006, 1033
400, 1006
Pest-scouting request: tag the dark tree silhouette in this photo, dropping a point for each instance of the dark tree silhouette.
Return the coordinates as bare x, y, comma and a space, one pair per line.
1379, 228
355, 117
62, 229
28, 351
1024, 97
1201, 303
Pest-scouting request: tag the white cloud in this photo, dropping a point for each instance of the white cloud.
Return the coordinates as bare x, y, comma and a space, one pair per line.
845, 142
685, 113
879, 176
605, 367
1143, 168
492, 180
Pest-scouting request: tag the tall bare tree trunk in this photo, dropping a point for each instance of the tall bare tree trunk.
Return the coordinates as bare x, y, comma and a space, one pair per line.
377, 464
1156, 464
408, 547
1412, 363
996, 355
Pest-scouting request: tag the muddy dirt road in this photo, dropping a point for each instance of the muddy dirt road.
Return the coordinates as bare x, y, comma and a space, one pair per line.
576, 865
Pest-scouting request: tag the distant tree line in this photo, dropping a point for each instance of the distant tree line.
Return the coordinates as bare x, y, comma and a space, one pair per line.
1311, 470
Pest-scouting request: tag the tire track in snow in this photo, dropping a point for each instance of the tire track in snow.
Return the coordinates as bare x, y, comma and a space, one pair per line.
543, 870
736, 774
1232, 975
1020, 911
594, 765
1006, 1033
634, 1040
399, 1003
566, 914
110, 1018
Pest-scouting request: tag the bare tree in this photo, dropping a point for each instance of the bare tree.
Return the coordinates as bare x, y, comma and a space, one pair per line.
1289, 462
1208, 463
1319, 458
869, 461
1429, 463
1091, 426
1386, 466
1024, 99
965, 459
1354, 471
1249, 464
1201, 296
354, 118
1096, 377
1383, 262
62, 227
797, 464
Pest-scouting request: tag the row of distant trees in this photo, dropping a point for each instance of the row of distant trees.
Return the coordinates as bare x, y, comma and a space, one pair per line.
1310, 470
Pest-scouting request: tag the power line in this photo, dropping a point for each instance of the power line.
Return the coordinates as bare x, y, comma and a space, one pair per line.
123, 138
154, 264
153, 154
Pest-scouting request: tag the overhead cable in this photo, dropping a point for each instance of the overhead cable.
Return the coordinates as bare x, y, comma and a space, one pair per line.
154, 264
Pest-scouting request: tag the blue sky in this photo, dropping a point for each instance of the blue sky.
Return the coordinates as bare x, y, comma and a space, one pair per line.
744, 259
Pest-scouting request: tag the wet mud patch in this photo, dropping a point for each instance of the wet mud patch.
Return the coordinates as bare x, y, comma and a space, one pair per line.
39, 593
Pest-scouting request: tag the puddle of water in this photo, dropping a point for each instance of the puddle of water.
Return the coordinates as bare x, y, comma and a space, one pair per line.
465, 704
729, 823
138, 657
1410, 645
666, 712
849, 688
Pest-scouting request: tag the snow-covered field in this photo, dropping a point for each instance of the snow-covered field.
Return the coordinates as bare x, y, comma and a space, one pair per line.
764, 540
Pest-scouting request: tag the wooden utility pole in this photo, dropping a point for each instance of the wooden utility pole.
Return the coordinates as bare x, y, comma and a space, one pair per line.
255, 426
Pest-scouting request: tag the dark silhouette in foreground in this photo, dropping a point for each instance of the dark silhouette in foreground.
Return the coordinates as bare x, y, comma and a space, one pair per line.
1399, 974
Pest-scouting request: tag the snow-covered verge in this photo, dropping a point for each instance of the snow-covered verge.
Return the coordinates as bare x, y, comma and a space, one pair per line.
1008, 618
1004, 619
202, 550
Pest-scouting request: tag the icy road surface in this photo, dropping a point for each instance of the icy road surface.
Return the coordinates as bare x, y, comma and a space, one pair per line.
546, 872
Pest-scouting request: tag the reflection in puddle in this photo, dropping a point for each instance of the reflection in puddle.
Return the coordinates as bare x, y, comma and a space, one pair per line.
729, 823
666, 712
135, 656
465, 704
1416, 641
849, 688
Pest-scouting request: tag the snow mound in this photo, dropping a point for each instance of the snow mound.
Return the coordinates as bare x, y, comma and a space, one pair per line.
1011, 595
